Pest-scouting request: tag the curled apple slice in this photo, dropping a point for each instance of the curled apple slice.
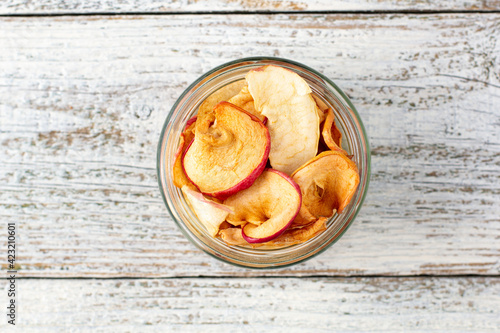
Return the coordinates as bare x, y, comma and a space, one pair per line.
211, 214
267, 207
292, 115
178, 176
229, 151
327, 182
331, 134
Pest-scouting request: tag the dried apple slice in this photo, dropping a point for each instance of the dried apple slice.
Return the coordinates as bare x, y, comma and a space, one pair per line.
304, 217
321, 105
224, 225
211, 214
268, 207
223, 94
327, 182
297, 236
232, 236
179, 177
190, 122
245, 101
293, 121
331, 134
229, 151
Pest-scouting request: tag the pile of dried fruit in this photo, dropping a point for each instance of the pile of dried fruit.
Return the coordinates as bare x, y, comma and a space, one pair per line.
271, 117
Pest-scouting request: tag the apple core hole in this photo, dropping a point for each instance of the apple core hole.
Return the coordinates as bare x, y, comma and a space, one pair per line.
319, 190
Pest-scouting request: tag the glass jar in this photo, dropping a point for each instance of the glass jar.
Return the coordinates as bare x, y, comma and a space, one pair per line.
354, 142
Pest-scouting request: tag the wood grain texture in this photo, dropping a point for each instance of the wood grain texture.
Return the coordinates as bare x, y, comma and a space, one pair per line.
152, 6
257, 305
84, 99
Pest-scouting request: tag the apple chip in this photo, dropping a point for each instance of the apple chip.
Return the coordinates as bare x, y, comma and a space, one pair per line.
225, 225
304, 217
292, 115
331, 134
179, 177
190, 122
221, 95
232, 236
327, 182
321, 105
211, 214
273, 199
297, 236
267, 207
229, 151
245, 101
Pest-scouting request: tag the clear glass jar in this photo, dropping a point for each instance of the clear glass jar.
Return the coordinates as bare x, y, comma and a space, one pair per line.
355, 142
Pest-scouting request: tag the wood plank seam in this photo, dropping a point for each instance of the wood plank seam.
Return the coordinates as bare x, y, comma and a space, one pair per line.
259, 12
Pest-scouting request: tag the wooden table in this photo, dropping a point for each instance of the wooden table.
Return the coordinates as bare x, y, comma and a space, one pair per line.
86, 85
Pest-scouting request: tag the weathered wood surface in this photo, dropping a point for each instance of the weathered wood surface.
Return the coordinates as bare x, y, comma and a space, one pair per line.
258, 305
169, 6
83, 101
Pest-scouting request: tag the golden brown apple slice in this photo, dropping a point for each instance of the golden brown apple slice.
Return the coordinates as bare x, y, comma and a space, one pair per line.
292, 115
229, 151
267, 207
245, 101
331, 134
179, 177
211, 214
327, 182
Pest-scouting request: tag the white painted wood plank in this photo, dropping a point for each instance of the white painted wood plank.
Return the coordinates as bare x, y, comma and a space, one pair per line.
153, 6
83, 102
257, 305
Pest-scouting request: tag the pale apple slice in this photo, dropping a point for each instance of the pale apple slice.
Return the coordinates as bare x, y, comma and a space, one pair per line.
327, 182
229, 151
245, 101
267, 207
331, 134
211, 214
179, 177
292, 115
